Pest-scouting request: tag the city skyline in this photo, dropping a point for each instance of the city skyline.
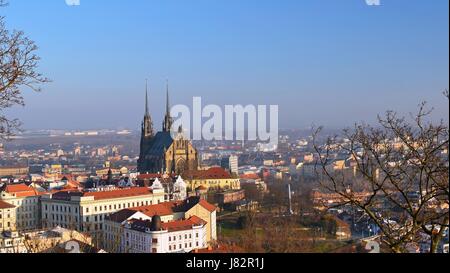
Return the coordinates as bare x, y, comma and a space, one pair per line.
334, 72
230, 126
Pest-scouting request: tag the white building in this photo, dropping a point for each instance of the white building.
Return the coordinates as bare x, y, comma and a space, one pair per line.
234, 164
26, 201
143, 234
179, 190
86, 211
170, 227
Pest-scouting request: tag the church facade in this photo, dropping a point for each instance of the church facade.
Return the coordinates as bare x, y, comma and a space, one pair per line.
160, 152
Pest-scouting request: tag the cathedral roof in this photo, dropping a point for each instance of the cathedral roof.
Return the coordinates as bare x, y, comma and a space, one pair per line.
161, 141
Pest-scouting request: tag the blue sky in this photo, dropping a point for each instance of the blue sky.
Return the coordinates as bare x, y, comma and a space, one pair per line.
330, 62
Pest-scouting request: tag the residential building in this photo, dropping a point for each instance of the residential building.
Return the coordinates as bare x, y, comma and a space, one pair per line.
26, 201
13, 171
213, 179
86, 210
150, 235
12, 242
231, 163
168, 227
7, 216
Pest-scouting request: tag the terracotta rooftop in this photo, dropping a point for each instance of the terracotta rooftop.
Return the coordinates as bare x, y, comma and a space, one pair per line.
250, 176
183, 224
212, 173
121, 193
207, 205
21, 190
178, 225
4, 205
162, 209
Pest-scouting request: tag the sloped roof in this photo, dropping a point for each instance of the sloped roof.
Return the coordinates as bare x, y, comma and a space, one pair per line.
21, 190
212, 173
162, 209
194, 200
121, 215
183, 224
178, 225
4, 205
161, 141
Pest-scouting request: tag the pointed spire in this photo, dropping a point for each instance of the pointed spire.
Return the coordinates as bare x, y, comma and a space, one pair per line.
167, 99
146, 98
168, 121
147, 125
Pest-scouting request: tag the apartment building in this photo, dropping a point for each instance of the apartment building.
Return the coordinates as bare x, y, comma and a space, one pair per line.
86, 211
7, 216
170, 227
26, 201
150, 235
14, 171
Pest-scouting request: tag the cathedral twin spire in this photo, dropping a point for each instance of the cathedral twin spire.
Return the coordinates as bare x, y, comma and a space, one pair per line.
147, 125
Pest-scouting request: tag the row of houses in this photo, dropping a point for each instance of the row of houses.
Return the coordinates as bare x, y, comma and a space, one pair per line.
24, 209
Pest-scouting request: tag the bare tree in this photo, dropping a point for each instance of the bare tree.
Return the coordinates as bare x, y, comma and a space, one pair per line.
404, 164
18, 68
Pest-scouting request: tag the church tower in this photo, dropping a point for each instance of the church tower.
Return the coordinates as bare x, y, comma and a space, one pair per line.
168, 120
147, 125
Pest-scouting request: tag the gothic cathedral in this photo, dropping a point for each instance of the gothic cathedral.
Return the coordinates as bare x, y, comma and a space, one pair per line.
160, 153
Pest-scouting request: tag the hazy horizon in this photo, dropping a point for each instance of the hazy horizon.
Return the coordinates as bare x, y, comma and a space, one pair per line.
324, 62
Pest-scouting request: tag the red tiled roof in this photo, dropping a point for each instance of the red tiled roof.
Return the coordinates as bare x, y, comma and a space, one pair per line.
183, 224
162, 209
118, 193
17, 188
21, 190
4, 205
250, 176
207, 205
212, 173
